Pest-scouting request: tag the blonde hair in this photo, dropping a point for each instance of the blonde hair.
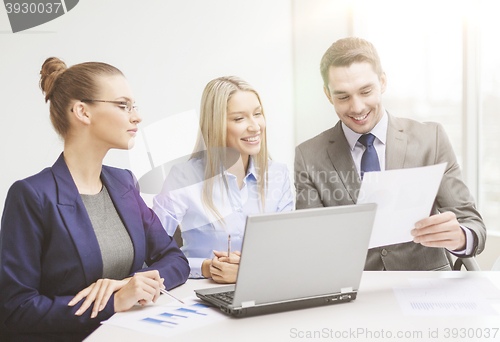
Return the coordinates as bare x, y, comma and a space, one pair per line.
213, 131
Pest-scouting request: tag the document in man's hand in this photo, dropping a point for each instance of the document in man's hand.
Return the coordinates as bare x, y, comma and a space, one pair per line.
404, 197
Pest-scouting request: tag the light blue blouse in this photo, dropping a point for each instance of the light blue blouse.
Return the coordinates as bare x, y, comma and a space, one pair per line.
180, 203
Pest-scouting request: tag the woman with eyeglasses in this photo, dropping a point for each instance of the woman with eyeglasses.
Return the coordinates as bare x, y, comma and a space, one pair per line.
228, 177
75, 236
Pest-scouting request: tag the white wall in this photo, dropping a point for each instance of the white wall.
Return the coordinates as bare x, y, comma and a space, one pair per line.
316, 27
168, 51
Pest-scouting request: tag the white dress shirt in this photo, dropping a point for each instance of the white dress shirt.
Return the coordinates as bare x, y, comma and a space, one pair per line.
380, 133
180, 203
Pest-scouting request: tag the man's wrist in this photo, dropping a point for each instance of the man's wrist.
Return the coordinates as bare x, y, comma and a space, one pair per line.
468, 247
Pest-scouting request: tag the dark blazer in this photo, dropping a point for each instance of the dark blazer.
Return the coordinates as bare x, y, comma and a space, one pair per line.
325, 175
49, 252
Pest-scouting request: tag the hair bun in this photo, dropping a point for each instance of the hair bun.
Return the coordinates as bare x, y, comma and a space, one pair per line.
51, 69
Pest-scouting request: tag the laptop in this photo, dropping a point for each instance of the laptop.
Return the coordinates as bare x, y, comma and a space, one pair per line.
297, 259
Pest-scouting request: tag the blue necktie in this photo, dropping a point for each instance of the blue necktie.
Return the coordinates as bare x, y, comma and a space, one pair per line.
369, 161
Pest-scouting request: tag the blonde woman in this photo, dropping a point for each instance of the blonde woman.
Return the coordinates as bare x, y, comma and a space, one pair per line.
211, 195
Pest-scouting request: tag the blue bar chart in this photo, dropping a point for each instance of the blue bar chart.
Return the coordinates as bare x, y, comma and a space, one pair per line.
170, 319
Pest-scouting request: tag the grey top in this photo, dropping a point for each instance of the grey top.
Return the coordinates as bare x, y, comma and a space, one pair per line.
114, 241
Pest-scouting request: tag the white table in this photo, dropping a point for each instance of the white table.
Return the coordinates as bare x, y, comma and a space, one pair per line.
376, 311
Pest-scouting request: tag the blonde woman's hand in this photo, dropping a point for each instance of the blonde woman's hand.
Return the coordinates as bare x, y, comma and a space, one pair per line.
223, 269
234, 258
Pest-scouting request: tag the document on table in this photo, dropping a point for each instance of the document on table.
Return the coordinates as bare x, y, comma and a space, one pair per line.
170, 319
445, 297
403, 196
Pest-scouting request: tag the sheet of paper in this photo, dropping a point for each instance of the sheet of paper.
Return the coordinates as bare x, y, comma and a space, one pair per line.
171, 319
403, 196
444, 297
489, 290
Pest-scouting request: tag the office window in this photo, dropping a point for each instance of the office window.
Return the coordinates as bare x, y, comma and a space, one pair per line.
490, 109
425, 46
421, 52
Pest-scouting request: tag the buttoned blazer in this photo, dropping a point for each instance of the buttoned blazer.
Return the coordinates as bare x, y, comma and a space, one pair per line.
49, 251
325, 175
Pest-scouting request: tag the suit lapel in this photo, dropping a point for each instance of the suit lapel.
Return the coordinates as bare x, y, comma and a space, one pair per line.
341, 158
397, 142
127, 207
77, 222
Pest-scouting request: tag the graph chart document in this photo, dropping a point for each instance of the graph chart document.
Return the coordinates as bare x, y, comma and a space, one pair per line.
448, 297
170, 319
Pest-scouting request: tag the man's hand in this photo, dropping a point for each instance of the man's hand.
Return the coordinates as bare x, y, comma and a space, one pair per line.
441, 230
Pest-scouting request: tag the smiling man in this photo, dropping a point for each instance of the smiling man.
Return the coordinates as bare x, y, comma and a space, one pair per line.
330, 166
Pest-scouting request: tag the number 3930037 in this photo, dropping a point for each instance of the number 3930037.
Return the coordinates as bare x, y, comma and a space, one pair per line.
32, 7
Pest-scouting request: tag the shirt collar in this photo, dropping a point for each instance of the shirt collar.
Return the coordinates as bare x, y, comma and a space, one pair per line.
251, 168
251, 171
379, 131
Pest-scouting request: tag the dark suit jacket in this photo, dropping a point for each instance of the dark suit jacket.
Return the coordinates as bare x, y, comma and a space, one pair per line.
49, 252
325, 175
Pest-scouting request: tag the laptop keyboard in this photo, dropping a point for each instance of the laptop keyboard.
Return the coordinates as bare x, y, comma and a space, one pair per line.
226, 297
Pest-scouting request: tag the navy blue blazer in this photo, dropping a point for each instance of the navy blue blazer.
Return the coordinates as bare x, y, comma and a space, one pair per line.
49, 252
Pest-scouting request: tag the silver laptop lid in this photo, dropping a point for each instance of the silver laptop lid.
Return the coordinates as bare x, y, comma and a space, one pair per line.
303, 253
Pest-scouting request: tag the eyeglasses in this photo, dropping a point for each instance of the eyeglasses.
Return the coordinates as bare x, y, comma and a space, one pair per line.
127, 105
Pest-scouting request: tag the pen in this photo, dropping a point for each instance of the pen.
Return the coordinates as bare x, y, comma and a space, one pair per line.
228, 247
171, 295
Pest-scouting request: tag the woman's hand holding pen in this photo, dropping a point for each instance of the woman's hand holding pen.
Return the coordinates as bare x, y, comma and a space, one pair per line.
224, 269
234, 257
143, 287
